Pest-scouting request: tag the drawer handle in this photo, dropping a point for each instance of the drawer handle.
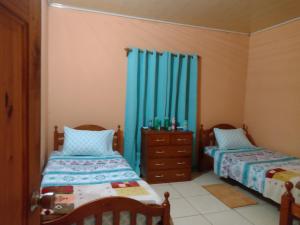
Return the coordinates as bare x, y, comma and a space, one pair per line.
159, 176
180, 174
181, 151
159, 140
180, 163
159, 152
181, 139
159, 164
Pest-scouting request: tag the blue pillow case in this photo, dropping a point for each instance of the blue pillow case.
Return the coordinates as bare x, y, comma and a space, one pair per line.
232, 139
85, 142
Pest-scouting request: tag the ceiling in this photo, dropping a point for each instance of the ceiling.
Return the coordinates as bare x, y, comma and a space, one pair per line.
244, 16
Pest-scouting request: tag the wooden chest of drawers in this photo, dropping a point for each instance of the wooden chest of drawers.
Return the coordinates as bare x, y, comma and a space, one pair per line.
166, 155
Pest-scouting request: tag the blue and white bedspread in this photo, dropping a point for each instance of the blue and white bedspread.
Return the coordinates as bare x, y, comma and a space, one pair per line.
64, 170
91, 178
250, 166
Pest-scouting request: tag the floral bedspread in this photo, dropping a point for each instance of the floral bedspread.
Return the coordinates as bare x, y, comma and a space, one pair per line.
64, 170
252, 167
91, 178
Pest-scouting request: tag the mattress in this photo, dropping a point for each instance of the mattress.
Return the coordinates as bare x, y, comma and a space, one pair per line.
260, 169
94, 177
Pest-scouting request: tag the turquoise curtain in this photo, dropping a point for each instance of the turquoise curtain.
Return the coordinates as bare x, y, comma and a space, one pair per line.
158, 85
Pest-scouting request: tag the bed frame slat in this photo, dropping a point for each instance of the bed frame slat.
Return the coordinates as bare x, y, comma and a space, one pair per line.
80, 222
115, 205
132, 218
98, 219
149, 220
116, 217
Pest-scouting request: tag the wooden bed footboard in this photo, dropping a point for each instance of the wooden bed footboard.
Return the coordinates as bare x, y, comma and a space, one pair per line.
116, 205
288, 208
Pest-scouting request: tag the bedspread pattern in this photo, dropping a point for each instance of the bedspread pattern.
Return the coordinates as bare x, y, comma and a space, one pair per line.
92, 177
249, 166
86, 170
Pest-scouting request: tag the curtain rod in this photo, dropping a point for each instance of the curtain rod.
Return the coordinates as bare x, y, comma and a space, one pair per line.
127, 50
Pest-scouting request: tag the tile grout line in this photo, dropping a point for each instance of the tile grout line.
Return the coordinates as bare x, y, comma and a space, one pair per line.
184, 198
176, 190
204, 214
199, 213
244, 216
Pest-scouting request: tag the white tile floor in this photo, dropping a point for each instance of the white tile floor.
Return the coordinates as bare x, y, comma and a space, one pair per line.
193, 205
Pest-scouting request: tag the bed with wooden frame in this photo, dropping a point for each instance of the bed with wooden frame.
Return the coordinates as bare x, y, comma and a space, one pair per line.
115, 204
289, 210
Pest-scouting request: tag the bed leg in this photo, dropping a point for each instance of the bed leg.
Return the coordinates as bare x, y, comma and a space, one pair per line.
287, 200
166, 205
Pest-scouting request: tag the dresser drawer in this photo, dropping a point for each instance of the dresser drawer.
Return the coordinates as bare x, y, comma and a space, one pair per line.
169, 176
170, 151
158, 139
161, 164
182, 139
179, 175
158, 177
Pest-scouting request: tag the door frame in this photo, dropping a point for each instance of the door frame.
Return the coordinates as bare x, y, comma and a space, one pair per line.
29, 12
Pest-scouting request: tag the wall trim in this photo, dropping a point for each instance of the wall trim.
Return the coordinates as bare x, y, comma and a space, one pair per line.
275, 26
64, 6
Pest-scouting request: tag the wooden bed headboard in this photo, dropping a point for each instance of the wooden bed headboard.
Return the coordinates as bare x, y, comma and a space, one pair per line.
59, 137
207, 137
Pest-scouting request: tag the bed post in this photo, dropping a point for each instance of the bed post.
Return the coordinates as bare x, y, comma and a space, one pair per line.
245, 128
56, 145
119, 140
204, 137
166, 205
201, 147
201, 136
287, 200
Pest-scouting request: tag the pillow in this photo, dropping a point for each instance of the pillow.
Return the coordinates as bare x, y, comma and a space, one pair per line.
232, 138
85, 142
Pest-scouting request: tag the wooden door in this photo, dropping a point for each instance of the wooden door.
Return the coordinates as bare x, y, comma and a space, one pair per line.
19, 110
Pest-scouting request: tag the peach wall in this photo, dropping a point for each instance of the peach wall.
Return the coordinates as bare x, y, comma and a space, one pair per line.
87, 67
272, 106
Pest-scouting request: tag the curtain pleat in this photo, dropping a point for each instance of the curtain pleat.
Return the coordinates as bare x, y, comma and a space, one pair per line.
158, 86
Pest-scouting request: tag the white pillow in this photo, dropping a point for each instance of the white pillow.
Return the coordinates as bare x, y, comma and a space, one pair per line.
232, 139
85, 142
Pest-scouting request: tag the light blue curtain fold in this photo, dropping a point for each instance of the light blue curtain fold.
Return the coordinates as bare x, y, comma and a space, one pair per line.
158, 85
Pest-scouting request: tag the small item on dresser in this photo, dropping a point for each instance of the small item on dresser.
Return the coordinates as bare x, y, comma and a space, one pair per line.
166, 123
150, 124
185, 125
157, 123
173, 123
